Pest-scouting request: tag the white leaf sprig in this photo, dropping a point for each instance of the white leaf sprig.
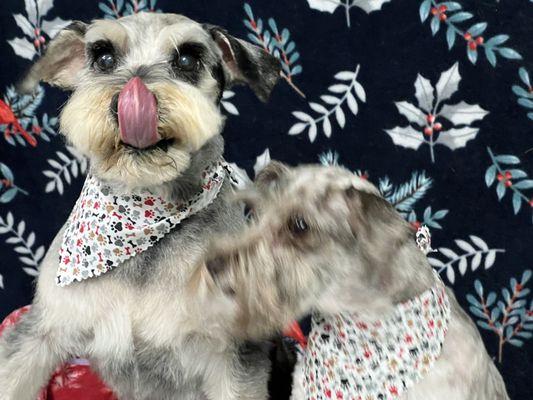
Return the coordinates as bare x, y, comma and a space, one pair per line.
468, 254
345, 91
65, 167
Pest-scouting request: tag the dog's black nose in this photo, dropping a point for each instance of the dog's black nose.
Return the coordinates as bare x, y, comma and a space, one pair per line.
216, 265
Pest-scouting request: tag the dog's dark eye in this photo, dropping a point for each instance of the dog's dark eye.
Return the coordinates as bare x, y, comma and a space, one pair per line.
103, 55
187, 62
298, 225
188, 58
105, 62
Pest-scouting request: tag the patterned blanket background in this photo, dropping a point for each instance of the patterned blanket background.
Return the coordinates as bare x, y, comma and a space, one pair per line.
432, 101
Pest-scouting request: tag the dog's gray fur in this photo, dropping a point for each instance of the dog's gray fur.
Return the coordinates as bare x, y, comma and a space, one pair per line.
140, 327
356, 255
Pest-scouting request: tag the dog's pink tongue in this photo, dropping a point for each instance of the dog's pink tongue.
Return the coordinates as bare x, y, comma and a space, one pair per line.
137, 115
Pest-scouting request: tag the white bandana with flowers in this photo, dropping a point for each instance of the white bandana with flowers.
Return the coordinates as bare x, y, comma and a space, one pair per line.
351, 359
105, 229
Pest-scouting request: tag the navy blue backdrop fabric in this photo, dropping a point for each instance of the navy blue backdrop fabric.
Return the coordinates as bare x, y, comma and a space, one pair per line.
431, 101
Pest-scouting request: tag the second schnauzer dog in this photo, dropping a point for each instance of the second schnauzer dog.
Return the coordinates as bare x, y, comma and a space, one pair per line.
145, 111
384, 325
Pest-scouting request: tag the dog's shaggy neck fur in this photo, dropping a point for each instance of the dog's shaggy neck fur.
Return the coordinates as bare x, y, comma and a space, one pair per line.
188, 184
399, 277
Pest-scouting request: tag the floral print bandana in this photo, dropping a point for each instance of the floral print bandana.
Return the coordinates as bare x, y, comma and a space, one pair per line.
105, 228
351, 359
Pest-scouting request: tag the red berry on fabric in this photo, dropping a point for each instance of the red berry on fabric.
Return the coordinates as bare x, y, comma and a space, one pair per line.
42, 39
443, 8
437, 127
518, 287
508, 183
467, 36
434, 11
480, 40
500, 177
443, 17
428, 131
37, 43
508, 175
430, 118
472, 45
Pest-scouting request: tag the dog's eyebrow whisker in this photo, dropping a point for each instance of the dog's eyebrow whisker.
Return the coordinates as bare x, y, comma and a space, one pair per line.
175, 44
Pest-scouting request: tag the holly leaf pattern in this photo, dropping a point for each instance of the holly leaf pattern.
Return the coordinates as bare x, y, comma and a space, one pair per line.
424, 93
330, 6
430, 115
463, 113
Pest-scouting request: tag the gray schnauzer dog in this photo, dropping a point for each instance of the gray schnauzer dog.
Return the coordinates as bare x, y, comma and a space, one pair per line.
384, 326
145, 111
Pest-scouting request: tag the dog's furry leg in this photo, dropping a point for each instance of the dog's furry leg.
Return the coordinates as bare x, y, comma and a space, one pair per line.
239, 377
495, 383
298, 391
28, 357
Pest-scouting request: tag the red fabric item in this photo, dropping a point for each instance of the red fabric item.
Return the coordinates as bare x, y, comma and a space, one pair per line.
295, 332
74, 380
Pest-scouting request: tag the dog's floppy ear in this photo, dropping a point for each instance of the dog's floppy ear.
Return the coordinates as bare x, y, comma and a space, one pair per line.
271, 176
62, 61
246, 63
372, 213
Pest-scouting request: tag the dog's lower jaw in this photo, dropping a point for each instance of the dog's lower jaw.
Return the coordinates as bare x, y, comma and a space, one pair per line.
133, 170
177, 180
